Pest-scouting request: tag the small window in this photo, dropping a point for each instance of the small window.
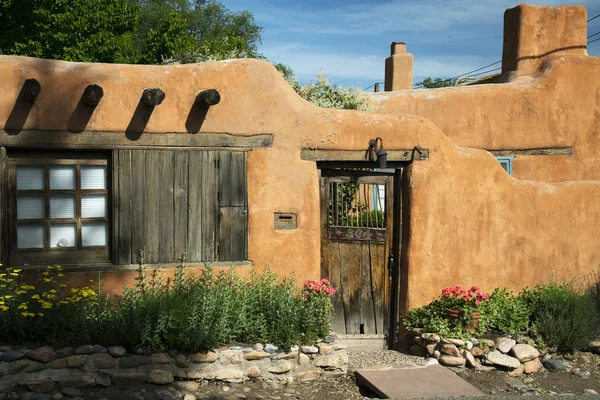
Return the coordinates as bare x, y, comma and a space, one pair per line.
506, 162
59, 209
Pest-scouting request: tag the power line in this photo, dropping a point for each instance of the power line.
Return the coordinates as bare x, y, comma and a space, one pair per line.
592, 41
475, 70
591, 19
369, 87
597, 33
487, 72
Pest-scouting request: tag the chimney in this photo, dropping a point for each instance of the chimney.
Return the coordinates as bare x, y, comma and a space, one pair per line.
399, 68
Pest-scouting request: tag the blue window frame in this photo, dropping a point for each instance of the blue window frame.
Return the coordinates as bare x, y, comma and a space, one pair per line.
507, 163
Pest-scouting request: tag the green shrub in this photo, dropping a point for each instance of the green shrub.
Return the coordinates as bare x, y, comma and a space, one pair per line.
433, 318
564, 315
504, 312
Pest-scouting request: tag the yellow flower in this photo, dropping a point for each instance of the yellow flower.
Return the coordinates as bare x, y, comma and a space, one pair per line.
8, 296
45, 273
49, 267
3, 308
46, 305
21, 292
52, 291
22, 306
47, 280
63, 302
62, 285
27, 314
14, 274
16, 270
35, 296
61, 274
40, 314
58, 267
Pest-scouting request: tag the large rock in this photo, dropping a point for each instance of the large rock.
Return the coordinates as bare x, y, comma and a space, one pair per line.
470, 359
503, 344
160, 358
231, 357
503, 360
431, 337
116, 351
524, 352
331, 360
120, 377
452, 361
42, 354
85, 349
554, 365
209, 357
532, 366
258, 355
253, 372
133, 361
281, 367
43, 386
456, 342
78, 381
310, 375
309, 349
450, 350
476, 351
69, 362
229, 374
104, 361
12, 355
517, 371
418, 350
303, 359
160, 377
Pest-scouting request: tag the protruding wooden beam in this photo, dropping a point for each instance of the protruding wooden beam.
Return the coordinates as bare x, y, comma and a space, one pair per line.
209, 97
31, 89
92, 95
153, 96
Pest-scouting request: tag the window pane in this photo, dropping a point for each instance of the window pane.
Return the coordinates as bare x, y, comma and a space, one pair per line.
63, 235
30, 207
62, 177
94, 234
30, 236
30, 178
93, 206
93, 177
62, 206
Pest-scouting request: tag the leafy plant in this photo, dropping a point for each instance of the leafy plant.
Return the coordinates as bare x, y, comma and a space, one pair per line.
504, 312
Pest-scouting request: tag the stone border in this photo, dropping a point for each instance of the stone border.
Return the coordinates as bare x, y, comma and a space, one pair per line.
45, 369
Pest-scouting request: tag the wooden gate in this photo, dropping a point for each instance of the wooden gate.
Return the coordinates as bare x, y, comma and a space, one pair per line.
357, 209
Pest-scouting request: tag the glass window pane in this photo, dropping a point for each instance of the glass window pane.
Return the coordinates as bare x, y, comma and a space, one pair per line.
62, 206
30, 207
93, 177
63, 235
30, 178
62, 177
30, 236
93, 206
94, 234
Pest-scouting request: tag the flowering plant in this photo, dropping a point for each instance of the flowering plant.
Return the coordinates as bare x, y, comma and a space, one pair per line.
323, 286
463, 300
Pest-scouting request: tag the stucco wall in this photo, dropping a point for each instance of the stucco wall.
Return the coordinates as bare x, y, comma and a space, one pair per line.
470, 223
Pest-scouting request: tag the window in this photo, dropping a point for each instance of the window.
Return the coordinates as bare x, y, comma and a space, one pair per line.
59, 208
506, 162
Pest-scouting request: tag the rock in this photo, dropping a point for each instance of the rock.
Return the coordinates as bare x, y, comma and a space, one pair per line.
431, 337
331, 360
189, 396
431, 347
583, 374
546, 357
473, 340
476, 351
34, 366
486, 342
484, 368
12, 355
503, 360
524, 352
57, 396
306, 376
229, 375
205, 372
100, 349
463, 374
120, 377
160, 377
43, 386
104, 361
85, 349
281, 367
258, 347
418, 350
116, 351
309, 349
430, 361
231, 357
270, 348
72, 392
590, 391
42, 354
64, 352
133, 361
437, 354
186, 386
253, 372
209, 357
69, 362
303, 359
258, 355
456, 342
164, 394
103, 380
452, 361
522, 339
554, 365
532, 366
469, 345
503, 344
517, 371
78, 381
339, 346
181, 361
325, 348
470, 359
450, 350
160, 358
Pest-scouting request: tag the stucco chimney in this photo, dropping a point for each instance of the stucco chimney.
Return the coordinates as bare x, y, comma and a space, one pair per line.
398, 68
531, 33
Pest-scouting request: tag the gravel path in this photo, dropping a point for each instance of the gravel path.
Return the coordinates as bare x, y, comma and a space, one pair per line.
364, 359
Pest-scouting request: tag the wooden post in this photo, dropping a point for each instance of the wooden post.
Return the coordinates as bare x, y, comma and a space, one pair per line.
209, 97
31, 89
92, 95
153, 97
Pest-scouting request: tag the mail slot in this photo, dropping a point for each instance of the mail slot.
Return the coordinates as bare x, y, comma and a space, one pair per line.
285, 221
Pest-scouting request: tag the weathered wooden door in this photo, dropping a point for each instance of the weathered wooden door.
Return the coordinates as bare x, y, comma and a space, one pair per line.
357, 220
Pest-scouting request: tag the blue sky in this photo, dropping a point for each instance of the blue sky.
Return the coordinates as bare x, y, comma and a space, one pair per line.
349, 39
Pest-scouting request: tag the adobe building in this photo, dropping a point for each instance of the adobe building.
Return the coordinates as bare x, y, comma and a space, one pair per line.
223, 161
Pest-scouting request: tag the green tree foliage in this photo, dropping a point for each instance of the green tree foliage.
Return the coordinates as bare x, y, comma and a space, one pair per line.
432, 83
126, 31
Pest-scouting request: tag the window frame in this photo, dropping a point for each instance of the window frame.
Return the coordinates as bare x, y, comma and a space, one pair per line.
78, 255
506, 162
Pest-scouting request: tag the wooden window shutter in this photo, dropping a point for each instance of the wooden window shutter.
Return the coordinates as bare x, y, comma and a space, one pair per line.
233, 206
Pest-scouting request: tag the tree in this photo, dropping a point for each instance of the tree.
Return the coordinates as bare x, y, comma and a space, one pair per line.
126, 31
429, 83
